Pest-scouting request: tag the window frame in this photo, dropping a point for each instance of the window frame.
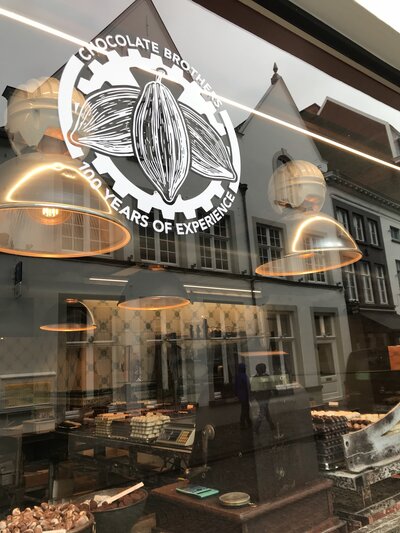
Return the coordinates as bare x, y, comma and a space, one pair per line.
349, 271
359, 230
326, 339
373, 223
279, 338
261, 258
363, 278
381, 284
342, 216
313, 277
210, 235
157, 243
395, 233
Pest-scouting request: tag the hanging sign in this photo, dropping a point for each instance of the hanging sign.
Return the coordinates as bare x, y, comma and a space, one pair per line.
154, 128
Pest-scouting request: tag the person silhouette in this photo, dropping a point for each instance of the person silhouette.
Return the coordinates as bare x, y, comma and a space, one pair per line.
242, 391
261, 387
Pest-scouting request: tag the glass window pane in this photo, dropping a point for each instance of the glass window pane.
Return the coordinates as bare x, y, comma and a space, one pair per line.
326, 361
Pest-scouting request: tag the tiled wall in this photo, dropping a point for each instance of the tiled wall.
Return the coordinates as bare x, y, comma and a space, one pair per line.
137, 348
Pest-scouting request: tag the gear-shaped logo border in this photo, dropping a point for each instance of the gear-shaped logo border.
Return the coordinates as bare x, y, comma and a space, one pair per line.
116, 71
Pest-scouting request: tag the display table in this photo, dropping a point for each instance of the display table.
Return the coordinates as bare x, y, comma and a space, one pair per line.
361, 482
309, 508
81, 440
365, 497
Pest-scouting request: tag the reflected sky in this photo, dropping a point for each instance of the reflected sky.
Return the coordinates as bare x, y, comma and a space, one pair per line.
386, 10
237, 64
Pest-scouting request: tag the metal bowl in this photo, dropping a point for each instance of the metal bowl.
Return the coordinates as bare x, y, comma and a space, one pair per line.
234, 499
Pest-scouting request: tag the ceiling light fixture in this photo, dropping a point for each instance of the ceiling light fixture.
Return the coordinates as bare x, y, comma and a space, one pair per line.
219, 288
316, 242
71, 314
153, 290
109, 280
49, 209
32, 116
263, 353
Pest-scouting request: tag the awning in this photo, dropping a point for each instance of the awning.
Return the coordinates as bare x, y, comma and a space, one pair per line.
389, 320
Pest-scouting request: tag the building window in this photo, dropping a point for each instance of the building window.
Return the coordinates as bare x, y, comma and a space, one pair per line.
158, 247
373, 232
270, 243
350, 284
365, 274
280, 344
395, 233
215, 246
358, 227
343, 217
326, 344
76, 232
381, 282
315, 261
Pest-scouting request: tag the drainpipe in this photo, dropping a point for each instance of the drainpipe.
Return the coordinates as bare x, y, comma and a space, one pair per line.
243, 189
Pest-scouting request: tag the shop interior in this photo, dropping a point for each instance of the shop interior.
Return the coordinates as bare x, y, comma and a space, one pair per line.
232, 378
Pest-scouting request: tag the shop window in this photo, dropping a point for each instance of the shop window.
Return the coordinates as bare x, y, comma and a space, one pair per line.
316, 261
326, 344
381, 282
350, 284
215, 246
358, 227
270, 243
366, 284
158, 247
373, 232
343, 217
395, 233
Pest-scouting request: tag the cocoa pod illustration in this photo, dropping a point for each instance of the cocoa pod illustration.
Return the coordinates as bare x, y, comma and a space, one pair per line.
169, 138
104, 121
161, 140
210, 157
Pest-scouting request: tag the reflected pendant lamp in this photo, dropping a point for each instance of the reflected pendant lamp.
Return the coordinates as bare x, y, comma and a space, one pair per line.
32, 116
49, 209
153, 290
316, 241
72, 315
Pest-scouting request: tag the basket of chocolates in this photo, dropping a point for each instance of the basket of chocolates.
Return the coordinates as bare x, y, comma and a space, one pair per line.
116, 510
46, 517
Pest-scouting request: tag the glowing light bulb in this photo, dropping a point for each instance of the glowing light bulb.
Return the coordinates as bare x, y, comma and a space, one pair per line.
50, 212
50, 216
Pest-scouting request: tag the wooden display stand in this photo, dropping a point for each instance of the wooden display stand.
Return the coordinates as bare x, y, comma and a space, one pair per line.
307, 510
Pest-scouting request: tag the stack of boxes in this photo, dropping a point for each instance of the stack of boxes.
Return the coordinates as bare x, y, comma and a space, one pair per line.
148, 427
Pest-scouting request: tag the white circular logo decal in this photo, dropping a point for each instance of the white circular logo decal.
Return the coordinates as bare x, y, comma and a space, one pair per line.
145, 103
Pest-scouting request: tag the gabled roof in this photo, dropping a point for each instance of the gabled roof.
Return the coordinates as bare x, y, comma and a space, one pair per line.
278, 102
242, 127
350, 126
363, 132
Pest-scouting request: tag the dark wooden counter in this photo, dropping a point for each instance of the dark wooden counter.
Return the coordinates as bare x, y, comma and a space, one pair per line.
308, 509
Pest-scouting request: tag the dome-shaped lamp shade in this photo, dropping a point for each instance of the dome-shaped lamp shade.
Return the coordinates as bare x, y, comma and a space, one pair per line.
317, 243
32, 116
297, 185
149, 290
48, 208
70, 315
